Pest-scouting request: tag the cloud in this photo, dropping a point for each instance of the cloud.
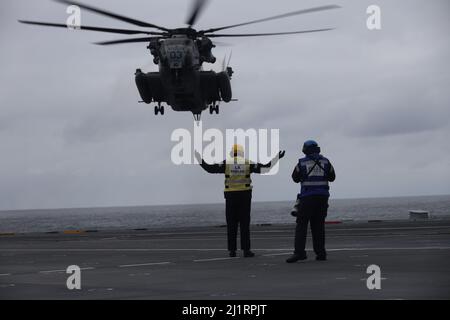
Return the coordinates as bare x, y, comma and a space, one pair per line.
73, 134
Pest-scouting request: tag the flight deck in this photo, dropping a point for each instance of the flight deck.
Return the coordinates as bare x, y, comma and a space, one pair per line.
193, 263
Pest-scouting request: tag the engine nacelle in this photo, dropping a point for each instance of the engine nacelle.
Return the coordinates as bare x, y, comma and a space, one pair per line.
150, 86
216, 86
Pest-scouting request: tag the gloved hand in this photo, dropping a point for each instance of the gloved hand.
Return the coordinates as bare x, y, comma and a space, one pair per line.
281, 154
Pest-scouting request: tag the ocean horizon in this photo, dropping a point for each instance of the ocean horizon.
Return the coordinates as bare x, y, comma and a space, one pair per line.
212, 214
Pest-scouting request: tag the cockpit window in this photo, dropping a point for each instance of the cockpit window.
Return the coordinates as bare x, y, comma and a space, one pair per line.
178, 53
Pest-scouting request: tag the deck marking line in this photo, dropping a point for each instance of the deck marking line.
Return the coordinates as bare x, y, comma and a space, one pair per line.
143, 264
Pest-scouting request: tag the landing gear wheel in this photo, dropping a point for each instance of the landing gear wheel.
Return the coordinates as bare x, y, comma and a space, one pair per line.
214, 108
159, 109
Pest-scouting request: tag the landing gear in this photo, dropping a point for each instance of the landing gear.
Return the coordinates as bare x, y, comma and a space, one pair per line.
159, 109
197, 117
214, 108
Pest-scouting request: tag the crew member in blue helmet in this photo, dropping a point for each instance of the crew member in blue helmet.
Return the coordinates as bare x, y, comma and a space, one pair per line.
314, 172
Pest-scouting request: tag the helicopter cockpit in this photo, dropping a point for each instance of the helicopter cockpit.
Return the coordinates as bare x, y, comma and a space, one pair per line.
179, 52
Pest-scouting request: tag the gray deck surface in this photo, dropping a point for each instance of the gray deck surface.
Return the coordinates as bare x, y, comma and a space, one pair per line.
192, 263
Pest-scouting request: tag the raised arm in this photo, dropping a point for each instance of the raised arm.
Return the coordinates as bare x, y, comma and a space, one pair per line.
258, 167
210, 168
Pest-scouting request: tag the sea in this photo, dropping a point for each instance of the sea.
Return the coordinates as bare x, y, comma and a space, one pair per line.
195, 215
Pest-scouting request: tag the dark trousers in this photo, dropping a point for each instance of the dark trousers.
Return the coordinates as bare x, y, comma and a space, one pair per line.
238, 207
313, 210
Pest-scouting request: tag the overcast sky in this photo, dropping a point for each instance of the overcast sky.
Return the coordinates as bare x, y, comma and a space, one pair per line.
378, 102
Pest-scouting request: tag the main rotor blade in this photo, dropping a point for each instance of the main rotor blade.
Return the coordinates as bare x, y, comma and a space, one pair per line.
265, 34
112, 15
198, 6
134, 40
222, 44
99, 29
289, 14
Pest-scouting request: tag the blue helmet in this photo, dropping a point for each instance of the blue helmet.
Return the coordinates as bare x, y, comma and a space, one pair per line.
310, 146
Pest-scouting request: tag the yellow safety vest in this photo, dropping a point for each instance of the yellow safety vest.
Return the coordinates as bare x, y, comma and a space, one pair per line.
237, 175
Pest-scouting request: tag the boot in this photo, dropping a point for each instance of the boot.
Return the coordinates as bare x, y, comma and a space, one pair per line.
248, 254
296, 257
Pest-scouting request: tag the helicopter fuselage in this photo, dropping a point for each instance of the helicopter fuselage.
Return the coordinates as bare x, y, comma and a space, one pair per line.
181, 81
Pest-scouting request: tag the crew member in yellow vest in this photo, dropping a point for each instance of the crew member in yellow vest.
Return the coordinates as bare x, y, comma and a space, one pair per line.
238, 194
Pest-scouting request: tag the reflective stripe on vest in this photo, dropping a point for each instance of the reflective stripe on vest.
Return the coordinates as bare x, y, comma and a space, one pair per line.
237, 175
315, 183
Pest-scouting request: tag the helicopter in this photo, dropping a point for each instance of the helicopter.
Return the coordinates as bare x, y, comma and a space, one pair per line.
181, 81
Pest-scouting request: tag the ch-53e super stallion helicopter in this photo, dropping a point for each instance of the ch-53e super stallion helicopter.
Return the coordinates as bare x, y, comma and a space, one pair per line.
180, 53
